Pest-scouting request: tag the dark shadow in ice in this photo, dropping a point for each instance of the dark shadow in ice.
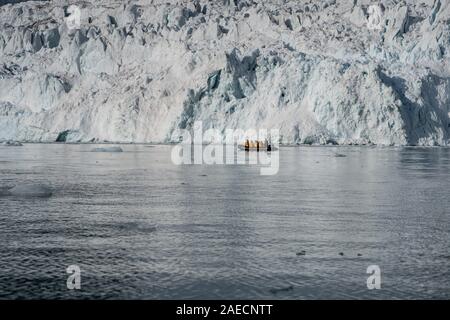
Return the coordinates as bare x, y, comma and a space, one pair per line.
3, 2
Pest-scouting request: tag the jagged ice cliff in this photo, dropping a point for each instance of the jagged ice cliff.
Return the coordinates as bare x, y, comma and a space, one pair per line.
135, 71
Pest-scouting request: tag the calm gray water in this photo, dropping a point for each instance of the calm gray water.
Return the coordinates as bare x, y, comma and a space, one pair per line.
140, 227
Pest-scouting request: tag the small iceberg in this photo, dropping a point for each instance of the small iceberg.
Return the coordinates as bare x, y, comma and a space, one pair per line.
107, 149
31, 191
12, 143
284, 289
301, 253
340, 155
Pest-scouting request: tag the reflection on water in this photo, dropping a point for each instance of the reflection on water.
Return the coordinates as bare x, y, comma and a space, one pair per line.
140, 227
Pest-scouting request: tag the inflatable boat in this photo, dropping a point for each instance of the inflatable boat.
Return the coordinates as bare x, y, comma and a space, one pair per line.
256, 146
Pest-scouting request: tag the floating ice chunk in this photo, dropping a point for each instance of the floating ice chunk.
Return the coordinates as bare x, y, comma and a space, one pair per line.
12, 144
340, 155
107, 149
31, 190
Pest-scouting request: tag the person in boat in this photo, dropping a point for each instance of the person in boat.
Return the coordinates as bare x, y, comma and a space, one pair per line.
268, 146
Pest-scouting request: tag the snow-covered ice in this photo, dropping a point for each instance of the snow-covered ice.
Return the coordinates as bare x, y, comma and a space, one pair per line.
137, 71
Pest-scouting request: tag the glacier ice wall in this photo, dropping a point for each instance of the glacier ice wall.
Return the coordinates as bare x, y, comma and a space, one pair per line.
136, 71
